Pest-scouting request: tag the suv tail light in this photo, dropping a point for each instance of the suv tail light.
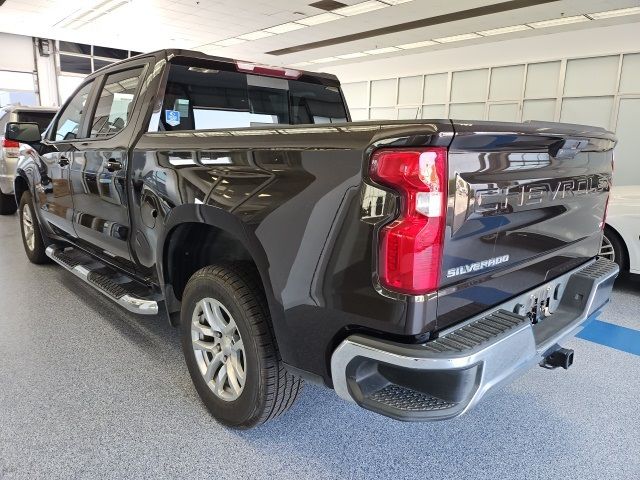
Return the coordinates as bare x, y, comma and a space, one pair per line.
411, 246
10, 148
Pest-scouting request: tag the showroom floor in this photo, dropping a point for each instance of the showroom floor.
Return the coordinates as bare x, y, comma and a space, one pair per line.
88, 390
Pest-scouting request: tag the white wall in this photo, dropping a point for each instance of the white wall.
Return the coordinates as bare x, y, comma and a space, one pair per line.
16, 53
587, 42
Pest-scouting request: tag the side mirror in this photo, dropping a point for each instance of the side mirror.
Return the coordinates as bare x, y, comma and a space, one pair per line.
23, 132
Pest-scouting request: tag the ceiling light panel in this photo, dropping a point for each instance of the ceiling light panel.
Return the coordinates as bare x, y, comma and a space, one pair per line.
229, 42
349, 56
396, 2
457, 38
256, 35
318, 19
426, 43
285, 27
559, 21
362, 7
325, 60
379, 51
615, 13
503, 30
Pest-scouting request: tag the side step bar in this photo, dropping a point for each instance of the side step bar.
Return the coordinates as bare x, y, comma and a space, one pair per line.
97, 275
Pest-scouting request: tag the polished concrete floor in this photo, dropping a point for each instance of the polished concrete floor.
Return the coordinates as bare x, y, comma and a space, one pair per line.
88, 390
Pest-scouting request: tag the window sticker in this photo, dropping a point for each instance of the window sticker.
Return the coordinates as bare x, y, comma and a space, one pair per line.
172, 117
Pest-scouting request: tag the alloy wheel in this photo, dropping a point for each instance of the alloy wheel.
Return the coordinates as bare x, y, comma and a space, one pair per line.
27, 227
218, 349
606, 249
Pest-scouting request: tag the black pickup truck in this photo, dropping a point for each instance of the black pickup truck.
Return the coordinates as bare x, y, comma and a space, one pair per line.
411, 265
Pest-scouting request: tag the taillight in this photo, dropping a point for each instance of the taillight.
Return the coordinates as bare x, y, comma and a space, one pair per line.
267, 70
411, 246
10, 148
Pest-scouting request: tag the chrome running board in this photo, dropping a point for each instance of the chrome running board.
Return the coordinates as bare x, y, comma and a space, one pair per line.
121, 289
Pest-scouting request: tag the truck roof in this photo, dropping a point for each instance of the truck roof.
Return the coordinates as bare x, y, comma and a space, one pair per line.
170, 53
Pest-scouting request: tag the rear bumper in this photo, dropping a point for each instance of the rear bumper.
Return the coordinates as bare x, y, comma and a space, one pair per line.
446, 377
7, 174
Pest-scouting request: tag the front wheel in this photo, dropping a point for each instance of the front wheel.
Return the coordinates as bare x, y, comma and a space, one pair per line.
230, 348
32, 240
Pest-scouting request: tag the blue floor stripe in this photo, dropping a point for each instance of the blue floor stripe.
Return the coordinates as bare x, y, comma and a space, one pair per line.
610, 335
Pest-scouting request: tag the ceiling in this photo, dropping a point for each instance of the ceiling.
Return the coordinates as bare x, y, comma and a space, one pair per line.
250, 29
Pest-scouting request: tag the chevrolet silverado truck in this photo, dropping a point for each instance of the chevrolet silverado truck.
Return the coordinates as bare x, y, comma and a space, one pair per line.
412, 266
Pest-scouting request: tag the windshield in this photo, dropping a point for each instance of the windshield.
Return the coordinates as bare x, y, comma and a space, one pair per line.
201, 98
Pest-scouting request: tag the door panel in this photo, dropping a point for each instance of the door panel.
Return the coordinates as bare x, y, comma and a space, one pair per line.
98, 173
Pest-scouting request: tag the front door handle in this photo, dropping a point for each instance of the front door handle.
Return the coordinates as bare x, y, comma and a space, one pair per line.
114, 165
63, 161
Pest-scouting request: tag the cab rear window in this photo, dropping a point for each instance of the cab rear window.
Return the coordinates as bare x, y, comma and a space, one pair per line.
199, 98
43, 119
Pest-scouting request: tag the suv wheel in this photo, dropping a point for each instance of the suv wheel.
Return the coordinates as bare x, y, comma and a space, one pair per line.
230, 348
7, 204
34, 245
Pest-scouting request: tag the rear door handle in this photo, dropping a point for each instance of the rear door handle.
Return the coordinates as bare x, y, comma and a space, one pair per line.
114, 165
63, 161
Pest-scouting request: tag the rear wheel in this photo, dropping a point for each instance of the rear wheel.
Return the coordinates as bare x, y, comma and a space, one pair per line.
7, 204
230, 349
32, 240
613, 248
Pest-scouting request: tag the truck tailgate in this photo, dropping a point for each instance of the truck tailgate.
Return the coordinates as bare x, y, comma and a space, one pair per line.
525, 205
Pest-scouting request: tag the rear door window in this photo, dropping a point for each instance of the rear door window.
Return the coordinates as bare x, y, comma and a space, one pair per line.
115, 104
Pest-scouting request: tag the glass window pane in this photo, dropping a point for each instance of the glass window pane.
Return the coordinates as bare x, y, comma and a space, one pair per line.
630, 76
356, 94
503, 112
98, 64
67, 85
408, 113
71, 64
542, 80
383, 93
16, 81
110, 52
358, 114
67, 125
435, 87
506, 83
466, 111
594, 111
433, 111
626, 171
591, 76
312, 103
383, 114
75, 47
469, 86
115, 103
410, 91
543, 110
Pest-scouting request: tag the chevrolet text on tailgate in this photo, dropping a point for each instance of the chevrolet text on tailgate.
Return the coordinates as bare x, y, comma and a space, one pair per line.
410, 265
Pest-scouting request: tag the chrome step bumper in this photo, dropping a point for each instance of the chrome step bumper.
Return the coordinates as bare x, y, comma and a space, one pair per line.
96, 274
446, 377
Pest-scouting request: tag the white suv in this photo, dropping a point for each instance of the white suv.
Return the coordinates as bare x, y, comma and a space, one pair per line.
9, 150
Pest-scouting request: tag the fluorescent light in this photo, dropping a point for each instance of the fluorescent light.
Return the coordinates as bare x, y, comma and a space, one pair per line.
318, 19
285, 27
348, 56
408, 46
615, 13
500, 31
396, 2
457, 38
379, 51
325, 60
362, 7
255, 35
559, 21
229, 42
301, 64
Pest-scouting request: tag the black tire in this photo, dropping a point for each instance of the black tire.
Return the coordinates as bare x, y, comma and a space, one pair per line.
269, 389
36, 254
620, 255
7, 204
